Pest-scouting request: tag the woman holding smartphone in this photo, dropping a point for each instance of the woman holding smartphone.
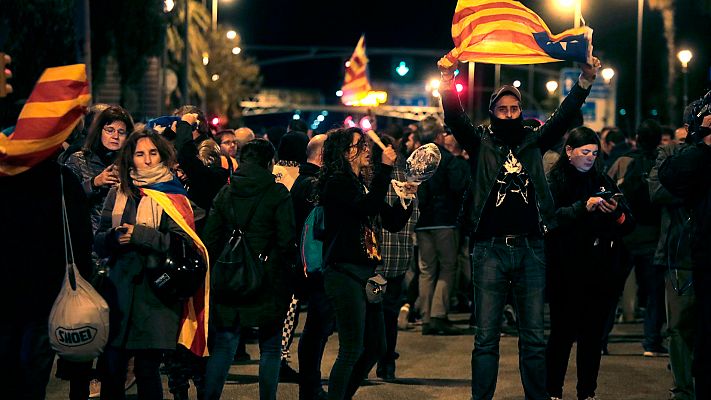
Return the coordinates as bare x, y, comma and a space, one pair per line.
583, 251
136, 233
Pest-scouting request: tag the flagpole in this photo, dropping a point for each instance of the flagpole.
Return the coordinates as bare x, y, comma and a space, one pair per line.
470, 86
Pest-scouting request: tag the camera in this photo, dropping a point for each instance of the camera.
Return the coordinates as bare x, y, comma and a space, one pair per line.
694, 115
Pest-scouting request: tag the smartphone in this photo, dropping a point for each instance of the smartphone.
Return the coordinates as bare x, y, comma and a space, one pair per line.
616, 196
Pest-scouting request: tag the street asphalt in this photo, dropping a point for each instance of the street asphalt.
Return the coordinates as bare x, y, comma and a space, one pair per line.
438, 367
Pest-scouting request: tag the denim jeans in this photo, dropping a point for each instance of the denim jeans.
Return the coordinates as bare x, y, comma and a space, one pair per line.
224, 343
497, 267
320, 322
681, 321
361, 330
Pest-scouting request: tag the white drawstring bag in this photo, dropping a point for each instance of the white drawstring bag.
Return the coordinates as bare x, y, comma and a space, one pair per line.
79, 320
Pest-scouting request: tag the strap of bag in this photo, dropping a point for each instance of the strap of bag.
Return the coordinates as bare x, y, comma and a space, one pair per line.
68, 248
246, 224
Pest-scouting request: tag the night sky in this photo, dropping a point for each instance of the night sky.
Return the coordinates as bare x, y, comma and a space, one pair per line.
426, 24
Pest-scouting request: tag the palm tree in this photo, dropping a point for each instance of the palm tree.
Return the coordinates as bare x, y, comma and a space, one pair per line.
198, 33
666, 7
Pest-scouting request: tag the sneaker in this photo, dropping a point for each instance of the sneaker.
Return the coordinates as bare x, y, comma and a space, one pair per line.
94, 389
288, 374
440, 326
656, 351
402, 317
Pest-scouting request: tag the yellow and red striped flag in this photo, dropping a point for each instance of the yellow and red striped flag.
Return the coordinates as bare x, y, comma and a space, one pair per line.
356, 85
507, 32
196, 310
54, 108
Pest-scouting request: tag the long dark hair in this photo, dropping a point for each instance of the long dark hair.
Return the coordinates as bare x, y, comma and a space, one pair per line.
105, 117
124, 161
577, 137
335, 160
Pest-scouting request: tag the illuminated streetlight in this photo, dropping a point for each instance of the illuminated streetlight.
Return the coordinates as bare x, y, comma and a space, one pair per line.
685, 56
339, 93
296, 116
215, 77
205, 58
517, 83
320, 118
348, 64
231, 35
577, 6
236, 50
435, 93
608, 74
434, 84
551, 86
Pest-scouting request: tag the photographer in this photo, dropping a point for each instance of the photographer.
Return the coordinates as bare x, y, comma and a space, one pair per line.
686, 175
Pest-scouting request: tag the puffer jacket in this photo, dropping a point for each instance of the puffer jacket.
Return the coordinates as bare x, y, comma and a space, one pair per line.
86, 165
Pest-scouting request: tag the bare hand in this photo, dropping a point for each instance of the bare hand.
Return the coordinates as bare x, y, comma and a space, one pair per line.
190, 118
590, 71
389, 156
706, 123
593, 203
125, 237
410, 187
107, 177
447, 72
608, 206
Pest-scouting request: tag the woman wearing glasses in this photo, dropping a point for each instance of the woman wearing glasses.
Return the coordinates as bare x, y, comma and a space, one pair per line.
94, 164
351, 251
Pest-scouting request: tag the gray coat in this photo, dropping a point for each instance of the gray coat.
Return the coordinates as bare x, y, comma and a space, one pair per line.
138, 318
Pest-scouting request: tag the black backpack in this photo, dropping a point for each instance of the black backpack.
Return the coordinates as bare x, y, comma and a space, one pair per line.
635, 187
238, 274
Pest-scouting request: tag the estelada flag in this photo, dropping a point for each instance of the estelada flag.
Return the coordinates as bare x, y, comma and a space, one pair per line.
196, 310
54, 108
356, 84
507, 32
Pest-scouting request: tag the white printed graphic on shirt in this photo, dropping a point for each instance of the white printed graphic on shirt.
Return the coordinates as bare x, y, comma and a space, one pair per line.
513, 180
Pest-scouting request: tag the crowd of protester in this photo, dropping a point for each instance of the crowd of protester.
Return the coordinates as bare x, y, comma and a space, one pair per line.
517, 214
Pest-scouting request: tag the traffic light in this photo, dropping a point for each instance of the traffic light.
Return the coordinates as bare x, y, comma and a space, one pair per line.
402, 69
5, 74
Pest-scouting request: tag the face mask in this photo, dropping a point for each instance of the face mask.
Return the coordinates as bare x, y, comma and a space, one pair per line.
509, 130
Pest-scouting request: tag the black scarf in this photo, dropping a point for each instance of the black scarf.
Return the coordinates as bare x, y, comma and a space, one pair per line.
510, 131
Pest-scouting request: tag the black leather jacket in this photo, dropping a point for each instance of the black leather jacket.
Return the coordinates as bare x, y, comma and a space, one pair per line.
487, 153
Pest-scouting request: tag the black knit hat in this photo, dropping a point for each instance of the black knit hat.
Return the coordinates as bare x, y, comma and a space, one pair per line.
292, 147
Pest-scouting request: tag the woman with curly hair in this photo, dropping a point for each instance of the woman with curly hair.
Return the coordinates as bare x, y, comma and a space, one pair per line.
352, 252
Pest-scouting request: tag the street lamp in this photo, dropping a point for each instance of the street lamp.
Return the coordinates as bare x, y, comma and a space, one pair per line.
231, 35
685, 56
517, 83
577, 5
608, 74
236, 50
551, 86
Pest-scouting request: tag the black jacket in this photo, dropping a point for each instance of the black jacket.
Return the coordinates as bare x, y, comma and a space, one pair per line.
348, 213
686, 175
32, 258
204, 182
440, 197
674, 216
487, 153
302, 194
272, 225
